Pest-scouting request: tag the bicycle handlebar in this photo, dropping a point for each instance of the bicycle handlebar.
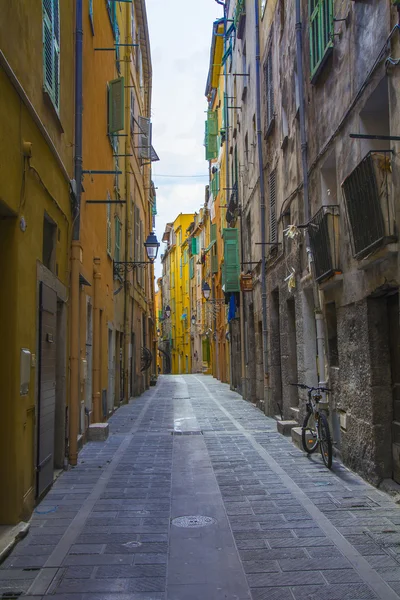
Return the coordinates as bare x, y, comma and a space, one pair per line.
303, 386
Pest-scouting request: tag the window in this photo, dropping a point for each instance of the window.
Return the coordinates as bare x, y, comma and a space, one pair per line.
108, 216
49, 243
112, 13
269, 89
263, 4
133, 26
321, 34
272, 208
331, 325
51, 50
91, 16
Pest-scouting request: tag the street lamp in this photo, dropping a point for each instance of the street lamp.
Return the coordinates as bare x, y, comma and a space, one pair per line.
168, 311
151, 244
193, 320
206, 290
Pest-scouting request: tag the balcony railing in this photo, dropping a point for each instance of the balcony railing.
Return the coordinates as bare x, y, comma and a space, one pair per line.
323, 231
368, 203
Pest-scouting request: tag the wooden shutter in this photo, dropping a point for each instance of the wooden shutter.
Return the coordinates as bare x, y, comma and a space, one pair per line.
272, 208
231, 267
195, 245
321, 30
144, 138
116, 105
141, 250
269, 88
212, 117
51, 50
132, 124
191, 268
117, 253
213, 234
214, 260
109, 242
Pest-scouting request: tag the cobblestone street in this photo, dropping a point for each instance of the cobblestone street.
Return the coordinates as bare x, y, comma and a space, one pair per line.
279, 524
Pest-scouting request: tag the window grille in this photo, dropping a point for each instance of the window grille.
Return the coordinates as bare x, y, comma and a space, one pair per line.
273, 233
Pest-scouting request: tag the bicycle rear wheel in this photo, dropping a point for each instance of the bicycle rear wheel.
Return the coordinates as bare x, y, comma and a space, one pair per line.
309, 438
325, 443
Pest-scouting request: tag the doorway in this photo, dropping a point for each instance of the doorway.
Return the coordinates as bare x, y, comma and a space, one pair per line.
47, 388
394, 351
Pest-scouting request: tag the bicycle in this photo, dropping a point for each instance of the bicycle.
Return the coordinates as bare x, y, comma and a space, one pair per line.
315, 431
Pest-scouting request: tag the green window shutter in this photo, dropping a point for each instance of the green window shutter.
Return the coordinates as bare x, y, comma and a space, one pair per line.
116, 105
108, 226
214, 263
51, 50
321, 33
191, 268
212, 118
210, 138
231, 267
213, 234
195, 245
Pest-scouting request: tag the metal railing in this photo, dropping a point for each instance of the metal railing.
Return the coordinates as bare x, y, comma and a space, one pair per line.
369, 211
323, 231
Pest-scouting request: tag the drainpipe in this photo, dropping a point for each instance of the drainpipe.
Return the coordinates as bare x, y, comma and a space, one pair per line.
262, 208
76, 251
319, 325
96, 343
128, 225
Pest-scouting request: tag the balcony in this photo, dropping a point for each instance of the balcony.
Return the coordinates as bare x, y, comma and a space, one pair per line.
323, 231
370, 211
239, 18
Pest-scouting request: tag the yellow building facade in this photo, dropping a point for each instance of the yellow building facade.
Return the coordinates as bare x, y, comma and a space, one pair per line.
36, 166
176, 278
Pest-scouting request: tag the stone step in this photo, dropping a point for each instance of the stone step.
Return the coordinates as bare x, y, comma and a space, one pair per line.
296, 437
285, 427
98, 432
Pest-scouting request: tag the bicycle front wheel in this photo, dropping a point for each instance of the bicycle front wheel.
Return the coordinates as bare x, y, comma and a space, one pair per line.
309, 438
325, 442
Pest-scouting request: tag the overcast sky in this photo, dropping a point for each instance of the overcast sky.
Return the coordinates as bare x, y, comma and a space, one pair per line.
180, 37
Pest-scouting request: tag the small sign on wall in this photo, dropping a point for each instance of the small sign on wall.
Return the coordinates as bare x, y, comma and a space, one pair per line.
246, 283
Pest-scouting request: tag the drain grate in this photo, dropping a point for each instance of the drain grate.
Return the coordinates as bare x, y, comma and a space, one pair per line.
11, 595
193, 521
177, 432
346, 503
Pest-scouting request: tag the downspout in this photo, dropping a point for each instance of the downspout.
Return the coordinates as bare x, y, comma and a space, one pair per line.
96, 395
319, 324
262, 208
76, 250
128, 229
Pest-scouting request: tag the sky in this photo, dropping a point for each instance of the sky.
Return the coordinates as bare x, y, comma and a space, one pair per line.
180, 39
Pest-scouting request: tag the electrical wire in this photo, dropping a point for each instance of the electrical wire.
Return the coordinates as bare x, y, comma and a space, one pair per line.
179, 176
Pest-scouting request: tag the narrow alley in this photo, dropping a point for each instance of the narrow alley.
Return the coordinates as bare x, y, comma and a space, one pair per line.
195, 496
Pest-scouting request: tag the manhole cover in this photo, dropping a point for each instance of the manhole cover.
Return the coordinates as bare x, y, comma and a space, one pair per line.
193, 521
132, 544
